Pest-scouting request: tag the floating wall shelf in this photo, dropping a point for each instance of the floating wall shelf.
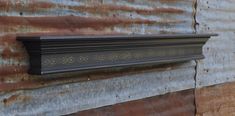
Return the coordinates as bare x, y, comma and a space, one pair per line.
54, 54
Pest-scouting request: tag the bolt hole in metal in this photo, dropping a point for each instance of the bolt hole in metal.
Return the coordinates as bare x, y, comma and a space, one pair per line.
21, 13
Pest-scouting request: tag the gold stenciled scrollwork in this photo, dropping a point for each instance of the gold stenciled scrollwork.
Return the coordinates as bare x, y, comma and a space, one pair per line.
49, 62
82, 59
67, 60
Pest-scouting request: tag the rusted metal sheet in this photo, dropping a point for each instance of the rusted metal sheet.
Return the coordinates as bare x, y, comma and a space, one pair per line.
218, 100
88, 94
78, 97
24, 81
92, 17
123, 16
219, 64
87, 17
175, 104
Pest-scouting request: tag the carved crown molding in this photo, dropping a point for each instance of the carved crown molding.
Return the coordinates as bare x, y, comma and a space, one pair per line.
54, 54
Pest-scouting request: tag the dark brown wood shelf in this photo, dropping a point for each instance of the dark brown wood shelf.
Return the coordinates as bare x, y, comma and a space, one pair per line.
54, 54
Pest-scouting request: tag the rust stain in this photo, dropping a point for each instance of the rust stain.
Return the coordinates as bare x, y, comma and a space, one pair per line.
8, 70
33, 82
32, 6
94, 17
108, 8
11, 48
172, 104
10, 100
15, 98
7, 40
35, 6
40, 20
62, 22
218, 100
7, 53
168, 1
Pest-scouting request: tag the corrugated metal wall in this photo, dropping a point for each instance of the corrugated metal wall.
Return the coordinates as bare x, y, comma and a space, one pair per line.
70, 98
97, 16
85, 17
218, 67
65, 17
24, 94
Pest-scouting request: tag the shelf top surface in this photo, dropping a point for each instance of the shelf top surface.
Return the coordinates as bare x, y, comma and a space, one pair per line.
112, 37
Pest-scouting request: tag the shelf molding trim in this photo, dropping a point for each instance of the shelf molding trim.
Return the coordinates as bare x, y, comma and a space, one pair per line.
56, 54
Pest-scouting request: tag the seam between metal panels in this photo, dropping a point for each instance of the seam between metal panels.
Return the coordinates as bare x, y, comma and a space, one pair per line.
195, 28
195, 86
195, 23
